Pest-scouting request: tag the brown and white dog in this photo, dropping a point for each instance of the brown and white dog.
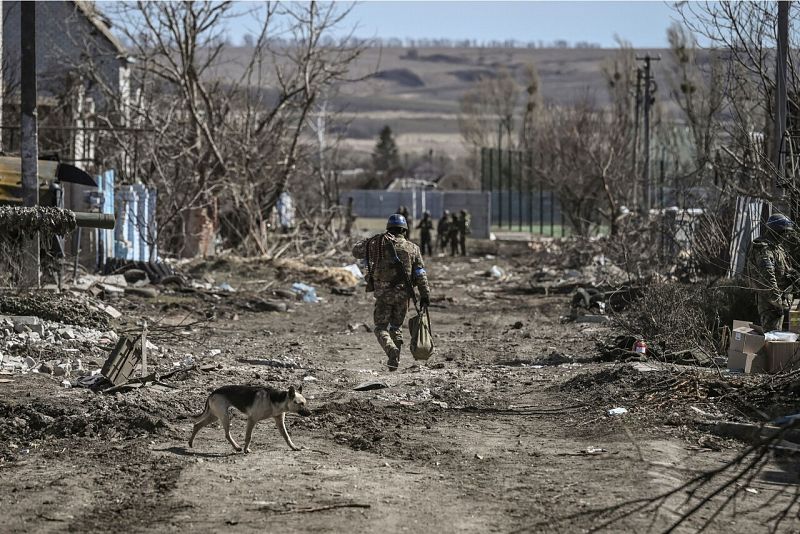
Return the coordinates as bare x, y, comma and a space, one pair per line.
256, 403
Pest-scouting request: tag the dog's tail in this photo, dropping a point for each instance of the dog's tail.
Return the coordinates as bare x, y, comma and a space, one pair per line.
203, 413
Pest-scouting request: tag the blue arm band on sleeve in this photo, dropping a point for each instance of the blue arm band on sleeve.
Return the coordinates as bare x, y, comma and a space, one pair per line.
419, 271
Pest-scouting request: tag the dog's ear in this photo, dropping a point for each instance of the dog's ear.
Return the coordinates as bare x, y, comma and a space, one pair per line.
300, 389
291, 392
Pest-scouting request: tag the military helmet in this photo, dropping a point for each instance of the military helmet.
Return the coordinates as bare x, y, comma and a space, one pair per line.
779, 223
397, 221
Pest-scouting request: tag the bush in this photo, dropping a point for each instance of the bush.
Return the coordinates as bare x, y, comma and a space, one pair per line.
672, 317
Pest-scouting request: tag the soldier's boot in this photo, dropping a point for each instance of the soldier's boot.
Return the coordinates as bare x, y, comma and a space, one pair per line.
397, 338
388, 346
394, 360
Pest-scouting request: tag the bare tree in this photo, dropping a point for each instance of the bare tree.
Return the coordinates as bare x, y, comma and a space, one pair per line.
488, 111
583, 161
745, 34
226, 131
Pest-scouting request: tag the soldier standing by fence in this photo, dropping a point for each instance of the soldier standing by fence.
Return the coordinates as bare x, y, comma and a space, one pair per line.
425, 227
452, 234
441, 232
464, 229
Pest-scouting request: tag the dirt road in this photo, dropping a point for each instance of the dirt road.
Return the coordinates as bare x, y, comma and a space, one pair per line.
478, 440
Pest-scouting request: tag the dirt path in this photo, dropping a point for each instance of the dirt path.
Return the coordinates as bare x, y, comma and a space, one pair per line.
473, 442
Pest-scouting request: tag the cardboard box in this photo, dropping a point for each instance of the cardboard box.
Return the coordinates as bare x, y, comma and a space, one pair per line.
782, 356
794, 321
747, 362
745, 339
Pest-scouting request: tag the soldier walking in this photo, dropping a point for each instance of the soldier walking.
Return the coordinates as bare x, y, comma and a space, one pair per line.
425, 228
441, 231
394, 266
769, 272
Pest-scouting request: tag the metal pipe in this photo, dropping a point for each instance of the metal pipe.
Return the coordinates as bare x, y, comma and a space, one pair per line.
106, 221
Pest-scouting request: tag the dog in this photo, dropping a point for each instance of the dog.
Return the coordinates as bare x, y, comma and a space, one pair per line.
256, 403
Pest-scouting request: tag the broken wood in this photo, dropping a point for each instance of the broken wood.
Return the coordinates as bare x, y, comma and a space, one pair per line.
324, 508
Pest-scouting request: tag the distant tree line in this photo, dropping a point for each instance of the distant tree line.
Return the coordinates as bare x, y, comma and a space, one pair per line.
408, 42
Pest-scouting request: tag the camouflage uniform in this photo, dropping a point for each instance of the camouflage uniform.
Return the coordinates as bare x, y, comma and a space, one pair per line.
452, 235
391, 291
464, 229
425, 227
442, 232
769, 273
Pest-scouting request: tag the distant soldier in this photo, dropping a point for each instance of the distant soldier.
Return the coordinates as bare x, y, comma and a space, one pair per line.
452, 234
441, 231
394, 264
464, 229
402, 210
349, 217
425, 228
769, 272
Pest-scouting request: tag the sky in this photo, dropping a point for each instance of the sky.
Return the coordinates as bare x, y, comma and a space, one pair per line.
644, 24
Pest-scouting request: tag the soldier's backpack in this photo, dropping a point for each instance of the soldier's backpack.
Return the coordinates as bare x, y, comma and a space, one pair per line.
422, 346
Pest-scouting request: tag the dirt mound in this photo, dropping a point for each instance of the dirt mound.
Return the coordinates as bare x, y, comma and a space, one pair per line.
621, 384
474, 75
363, 425
52, 307
98, 417
404, 77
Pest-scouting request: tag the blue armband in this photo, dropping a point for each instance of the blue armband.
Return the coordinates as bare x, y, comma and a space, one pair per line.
419, 271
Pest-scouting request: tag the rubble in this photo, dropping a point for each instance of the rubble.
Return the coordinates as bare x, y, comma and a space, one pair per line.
66, 309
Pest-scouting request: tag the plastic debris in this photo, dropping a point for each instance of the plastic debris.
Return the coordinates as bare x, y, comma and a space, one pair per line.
226, 287
308, 293
617, 411
496, 272
353, 268
776, 335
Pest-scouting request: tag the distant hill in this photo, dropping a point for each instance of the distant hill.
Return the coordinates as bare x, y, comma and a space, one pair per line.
417, 91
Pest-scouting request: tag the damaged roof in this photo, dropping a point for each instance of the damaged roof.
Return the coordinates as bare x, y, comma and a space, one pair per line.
101, 22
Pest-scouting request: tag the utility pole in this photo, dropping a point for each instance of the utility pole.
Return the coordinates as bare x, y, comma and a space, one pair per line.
29, 148
499, 174
636, 133
779, 155
2, 81
649, 88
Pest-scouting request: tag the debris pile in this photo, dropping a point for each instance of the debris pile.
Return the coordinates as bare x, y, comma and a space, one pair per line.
65, 308
31, 344
327, 276
25, 426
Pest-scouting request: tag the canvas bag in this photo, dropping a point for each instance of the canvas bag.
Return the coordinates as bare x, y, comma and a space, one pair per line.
421, 339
